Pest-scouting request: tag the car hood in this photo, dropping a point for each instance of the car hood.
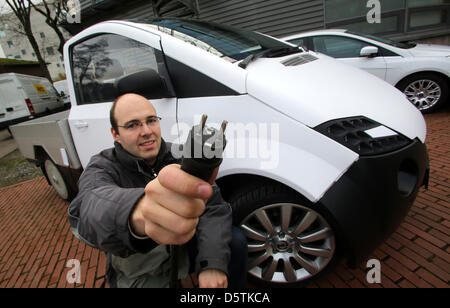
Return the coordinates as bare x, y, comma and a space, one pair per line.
427, 50
317, 91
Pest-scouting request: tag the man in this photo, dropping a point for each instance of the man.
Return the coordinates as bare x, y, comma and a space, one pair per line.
134, 200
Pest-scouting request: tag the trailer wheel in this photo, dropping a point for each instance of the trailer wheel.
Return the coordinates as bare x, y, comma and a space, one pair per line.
57, 180
291, 242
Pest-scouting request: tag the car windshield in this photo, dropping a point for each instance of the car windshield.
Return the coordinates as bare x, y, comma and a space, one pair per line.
224, 41
384, 40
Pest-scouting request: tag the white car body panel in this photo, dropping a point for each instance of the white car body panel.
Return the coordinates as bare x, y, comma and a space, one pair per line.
295, 98
283, 149
421, 58
311, 97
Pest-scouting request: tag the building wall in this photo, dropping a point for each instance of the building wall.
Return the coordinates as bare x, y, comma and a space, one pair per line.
45, 36
273, 17
284, 17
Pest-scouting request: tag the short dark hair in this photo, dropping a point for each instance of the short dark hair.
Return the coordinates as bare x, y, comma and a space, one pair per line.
112, 117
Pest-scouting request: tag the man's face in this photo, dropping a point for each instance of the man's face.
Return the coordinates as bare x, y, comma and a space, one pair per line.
144, 140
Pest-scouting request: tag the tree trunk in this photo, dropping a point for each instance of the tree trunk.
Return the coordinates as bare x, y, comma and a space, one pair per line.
37, 51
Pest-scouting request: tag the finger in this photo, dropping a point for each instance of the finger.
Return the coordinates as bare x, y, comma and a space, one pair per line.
179, 204
169, 220
175, 179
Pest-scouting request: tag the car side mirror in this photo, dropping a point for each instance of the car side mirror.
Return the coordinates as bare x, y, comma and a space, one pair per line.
147, 83
369, 51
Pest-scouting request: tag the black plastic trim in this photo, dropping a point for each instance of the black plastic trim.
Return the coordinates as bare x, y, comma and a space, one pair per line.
367, 201
189, 82
350, 132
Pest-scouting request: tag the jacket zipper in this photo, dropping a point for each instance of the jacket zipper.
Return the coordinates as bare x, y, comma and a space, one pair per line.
154, 173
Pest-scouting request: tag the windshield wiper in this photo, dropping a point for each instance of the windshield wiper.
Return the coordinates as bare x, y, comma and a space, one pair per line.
270, 53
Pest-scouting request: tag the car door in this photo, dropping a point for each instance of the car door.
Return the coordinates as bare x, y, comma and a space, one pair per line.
347, 50
98, 63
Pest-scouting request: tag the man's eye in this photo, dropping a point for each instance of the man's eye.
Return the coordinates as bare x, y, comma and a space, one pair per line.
132, 125
151, 121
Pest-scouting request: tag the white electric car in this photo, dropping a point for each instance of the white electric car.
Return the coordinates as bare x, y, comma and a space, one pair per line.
420, 71
322, 159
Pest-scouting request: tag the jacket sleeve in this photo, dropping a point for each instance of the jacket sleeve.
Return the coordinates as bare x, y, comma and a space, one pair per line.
214, 234
99, 214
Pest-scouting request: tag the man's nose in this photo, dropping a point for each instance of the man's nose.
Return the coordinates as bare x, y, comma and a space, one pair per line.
145, 128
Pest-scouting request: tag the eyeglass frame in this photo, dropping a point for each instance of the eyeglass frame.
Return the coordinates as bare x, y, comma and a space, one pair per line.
141, 123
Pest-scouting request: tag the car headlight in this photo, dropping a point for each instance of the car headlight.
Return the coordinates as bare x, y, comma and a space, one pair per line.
363, 136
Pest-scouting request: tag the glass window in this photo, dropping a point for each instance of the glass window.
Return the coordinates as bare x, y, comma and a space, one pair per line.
427, 18
387, 24
42, 35
10, 44
420, 3
338, 47
100, 61
383, 40
24, 52
345, 9
50, 51
227, 42
298, 41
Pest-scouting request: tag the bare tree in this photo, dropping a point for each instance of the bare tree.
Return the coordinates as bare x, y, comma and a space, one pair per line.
53, 11
22, 10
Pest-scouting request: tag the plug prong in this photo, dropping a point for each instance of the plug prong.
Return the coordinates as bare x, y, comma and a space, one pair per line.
223, 126
203, 121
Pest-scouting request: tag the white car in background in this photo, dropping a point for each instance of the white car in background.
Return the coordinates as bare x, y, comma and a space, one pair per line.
418, 70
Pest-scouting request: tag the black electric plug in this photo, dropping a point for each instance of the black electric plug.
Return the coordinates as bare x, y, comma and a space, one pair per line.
202, 154
203, 150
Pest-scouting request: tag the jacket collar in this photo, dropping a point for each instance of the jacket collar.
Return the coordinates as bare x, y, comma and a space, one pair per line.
134, 163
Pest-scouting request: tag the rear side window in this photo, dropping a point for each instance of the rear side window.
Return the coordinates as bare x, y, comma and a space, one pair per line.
338, 47
99, 62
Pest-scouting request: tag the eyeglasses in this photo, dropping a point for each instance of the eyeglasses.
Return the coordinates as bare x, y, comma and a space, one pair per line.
135, 124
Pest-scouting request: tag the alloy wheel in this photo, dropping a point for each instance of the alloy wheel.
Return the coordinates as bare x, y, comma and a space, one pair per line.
423, 93
287, 243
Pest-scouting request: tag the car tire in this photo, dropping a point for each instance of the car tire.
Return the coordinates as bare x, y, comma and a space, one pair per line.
427, 91
291, 241
57, 180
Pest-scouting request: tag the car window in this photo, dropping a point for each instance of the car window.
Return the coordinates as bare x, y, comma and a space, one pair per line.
298, 41
229, 43
100, 61
338, 47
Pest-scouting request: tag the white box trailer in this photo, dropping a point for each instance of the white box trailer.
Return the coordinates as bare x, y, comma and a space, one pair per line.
24, 97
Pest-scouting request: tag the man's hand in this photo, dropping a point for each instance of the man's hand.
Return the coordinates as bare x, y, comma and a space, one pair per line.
212, 279
170, 209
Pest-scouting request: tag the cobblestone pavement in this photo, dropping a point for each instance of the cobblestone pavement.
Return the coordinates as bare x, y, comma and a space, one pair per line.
36, 243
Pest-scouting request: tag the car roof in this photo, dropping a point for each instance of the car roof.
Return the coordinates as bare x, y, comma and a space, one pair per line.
314, 32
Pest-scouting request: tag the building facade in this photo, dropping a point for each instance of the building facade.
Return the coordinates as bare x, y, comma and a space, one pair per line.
15, 45
402, 20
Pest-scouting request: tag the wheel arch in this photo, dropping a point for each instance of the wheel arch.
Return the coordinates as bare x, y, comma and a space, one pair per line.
40, 155
440, 74
235, 184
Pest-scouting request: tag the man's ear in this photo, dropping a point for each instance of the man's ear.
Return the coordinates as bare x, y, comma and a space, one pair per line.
115, 135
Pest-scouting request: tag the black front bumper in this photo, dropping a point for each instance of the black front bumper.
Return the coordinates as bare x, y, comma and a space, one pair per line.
372, 198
